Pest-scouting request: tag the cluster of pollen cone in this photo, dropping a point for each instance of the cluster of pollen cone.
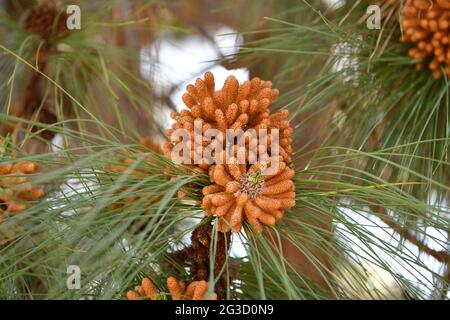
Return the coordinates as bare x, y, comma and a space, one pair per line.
196, 290
240, 194
15, 186
240, 190
16, 191
426, 24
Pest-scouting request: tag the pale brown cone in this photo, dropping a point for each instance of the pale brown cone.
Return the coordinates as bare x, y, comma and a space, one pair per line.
425, 24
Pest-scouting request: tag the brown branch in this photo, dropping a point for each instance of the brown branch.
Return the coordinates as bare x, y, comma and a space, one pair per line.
26, 104
31, 91
441, 256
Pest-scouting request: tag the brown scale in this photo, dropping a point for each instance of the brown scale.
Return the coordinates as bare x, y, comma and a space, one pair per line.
197, 255
45, 20
16, 192
244, 193
426, 24
178, 290
235, 106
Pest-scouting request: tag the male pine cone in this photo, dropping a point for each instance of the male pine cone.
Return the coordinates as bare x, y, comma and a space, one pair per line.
16, 192
234, 107
241, 191
426, 23
239, 194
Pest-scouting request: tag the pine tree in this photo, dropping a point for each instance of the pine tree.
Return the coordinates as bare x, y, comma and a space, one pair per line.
357, 209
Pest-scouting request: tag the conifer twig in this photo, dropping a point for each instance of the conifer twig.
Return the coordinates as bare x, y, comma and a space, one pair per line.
441, 256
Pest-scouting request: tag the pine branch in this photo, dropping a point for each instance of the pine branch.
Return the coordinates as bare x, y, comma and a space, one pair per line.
381, 212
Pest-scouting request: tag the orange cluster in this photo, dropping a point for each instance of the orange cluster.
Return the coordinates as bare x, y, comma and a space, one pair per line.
426, 23
240, 190
233, 107
15, 189
196, 290
15, 186
239, 194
